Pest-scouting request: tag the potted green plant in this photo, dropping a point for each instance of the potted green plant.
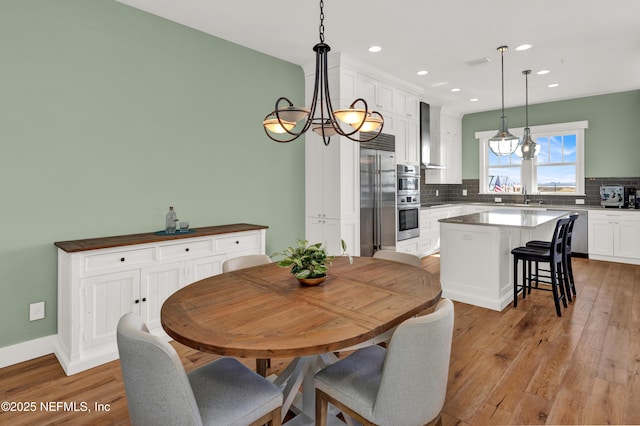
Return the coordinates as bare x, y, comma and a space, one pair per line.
309, 263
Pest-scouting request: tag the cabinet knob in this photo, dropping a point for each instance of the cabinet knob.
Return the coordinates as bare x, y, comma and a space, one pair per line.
144, 299
122, 259
187, 249
137, 301
237, 242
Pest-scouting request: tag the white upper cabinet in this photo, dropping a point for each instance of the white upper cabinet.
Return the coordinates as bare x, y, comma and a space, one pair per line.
407, 105
400, 109
379, 96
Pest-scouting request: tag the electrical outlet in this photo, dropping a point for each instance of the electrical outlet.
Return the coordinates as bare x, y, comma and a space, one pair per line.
579, 200
498, 199
437, 193
36, 311
464, 192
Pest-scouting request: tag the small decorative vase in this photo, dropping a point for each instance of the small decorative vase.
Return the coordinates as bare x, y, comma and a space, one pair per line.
312, 281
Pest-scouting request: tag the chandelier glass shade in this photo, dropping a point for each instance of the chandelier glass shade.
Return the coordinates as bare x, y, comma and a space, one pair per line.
503, 143
287, 122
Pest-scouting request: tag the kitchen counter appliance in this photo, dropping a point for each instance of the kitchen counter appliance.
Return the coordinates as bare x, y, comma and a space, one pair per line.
408, 201
377, 195
617, 196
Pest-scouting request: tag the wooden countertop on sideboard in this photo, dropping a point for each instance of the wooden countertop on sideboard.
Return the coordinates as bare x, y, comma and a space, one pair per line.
150, 237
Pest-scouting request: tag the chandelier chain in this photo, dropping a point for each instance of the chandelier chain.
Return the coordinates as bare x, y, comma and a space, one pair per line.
321, 29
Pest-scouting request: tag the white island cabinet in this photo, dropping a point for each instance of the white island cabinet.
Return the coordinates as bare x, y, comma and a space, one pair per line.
101, 279
476, 265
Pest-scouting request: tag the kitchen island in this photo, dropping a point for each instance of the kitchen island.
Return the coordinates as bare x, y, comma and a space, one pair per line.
476, 266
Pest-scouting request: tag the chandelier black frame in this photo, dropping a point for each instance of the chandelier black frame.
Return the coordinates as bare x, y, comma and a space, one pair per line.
282, 120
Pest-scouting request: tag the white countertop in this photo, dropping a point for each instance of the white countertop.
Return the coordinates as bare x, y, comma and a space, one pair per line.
521, 218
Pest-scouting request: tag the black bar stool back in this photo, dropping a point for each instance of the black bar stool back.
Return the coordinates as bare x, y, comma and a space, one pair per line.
567, 270
553, 256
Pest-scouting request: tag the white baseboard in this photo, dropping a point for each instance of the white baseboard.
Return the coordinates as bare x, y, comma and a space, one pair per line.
25, 351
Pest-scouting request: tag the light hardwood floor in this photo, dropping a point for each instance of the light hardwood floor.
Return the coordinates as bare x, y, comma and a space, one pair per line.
519, 366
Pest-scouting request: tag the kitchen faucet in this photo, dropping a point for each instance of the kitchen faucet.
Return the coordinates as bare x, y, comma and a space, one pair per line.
524, 193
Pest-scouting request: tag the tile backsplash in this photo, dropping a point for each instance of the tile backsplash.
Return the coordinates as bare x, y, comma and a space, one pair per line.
453, 193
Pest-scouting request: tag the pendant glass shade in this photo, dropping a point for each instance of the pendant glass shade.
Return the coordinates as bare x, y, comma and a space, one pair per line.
288, 122
503, 143
528, 149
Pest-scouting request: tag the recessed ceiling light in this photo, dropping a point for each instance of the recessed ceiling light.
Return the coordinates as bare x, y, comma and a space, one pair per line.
553, 85
543, 72
422, 72
474, 100
524, 47
455, 89
375, 49
441, 83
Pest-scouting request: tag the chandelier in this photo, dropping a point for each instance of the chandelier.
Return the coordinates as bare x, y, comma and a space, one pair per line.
528, 149
503, 143
287, 122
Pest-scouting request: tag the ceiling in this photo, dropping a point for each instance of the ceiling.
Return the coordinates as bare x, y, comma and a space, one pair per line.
590, 47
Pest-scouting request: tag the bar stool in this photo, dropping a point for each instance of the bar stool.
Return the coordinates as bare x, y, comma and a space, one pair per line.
567, 270
553, 256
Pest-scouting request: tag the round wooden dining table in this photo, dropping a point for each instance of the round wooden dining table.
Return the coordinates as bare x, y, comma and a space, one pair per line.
263, 312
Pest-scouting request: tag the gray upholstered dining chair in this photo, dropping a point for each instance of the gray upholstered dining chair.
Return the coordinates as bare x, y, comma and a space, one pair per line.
242, 262
160, 392
404, 384
396, 256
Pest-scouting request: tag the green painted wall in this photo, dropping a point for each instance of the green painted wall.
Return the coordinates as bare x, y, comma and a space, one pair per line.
107, 116
612, 145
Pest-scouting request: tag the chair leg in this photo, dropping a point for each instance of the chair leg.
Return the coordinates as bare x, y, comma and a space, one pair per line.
565, 278
525, 277
560, 284
515, 281
261, 366
322, 406
273, 418
529, 276
572, 283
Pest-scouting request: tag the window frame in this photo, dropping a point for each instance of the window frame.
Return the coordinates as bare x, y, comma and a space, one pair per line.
528, 172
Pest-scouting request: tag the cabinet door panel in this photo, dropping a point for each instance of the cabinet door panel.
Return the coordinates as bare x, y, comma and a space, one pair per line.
108, 298
628, 239
206, 267
600, 237
158, 283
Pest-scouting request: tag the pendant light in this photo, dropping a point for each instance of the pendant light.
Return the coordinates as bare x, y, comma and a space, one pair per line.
528, 149
503, 143
281, 125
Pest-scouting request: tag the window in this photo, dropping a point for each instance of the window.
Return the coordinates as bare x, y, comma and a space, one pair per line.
557, 169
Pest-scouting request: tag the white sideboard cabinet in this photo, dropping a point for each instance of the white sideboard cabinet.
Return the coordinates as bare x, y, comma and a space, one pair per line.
101, 279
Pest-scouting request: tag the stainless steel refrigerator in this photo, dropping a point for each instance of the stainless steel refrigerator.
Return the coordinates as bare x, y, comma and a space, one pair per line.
377, 195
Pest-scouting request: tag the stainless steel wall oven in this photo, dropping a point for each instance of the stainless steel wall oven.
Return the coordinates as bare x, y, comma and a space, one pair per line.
408, 201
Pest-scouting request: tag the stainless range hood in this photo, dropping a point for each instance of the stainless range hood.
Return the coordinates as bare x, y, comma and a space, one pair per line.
425, 139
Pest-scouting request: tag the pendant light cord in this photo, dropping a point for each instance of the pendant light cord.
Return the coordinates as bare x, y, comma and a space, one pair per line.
502, 49
526, 97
